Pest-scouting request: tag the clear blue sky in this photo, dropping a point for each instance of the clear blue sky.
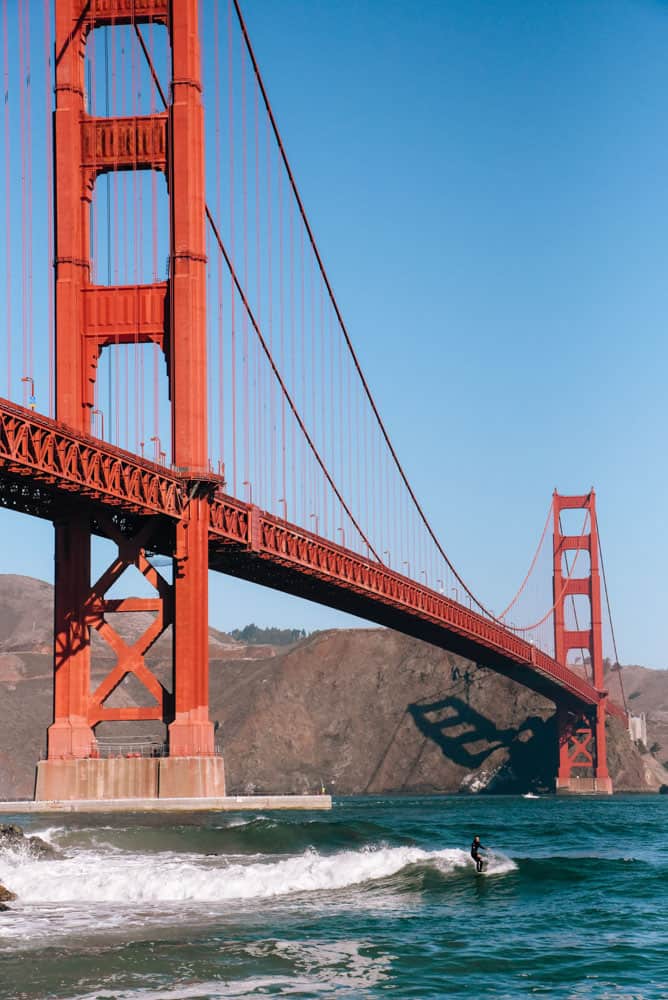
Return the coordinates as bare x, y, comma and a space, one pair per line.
488, 184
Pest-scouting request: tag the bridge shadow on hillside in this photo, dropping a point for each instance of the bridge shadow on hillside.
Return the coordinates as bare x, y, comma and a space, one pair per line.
468, 737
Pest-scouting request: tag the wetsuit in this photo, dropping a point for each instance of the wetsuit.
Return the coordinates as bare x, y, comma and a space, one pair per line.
476, 857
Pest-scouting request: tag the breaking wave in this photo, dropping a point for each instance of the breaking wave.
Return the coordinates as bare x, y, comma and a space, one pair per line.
90, 877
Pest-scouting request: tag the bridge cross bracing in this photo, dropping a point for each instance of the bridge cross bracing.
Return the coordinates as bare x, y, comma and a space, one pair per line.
215, 411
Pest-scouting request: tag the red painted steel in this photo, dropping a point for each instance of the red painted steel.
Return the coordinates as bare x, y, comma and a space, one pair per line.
69, 463
129, 659
56, 469
48, 452
582, 738
191, 727
90, 318
123, 144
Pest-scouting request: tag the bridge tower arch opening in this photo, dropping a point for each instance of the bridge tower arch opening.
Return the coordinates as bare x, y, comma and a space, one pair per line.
581, 734
89, 317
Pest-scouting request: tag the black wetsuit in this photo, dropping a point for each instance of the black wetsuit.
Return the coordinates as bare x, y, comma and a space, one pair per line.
476, 857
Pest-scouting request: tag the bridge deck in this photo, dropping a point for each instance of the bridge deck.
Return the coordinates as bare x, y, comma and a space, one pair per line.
46, 467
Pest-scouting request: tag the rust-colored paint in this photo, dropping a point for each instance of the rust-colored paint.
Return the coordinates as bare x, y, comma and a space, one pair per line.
582, 743
38, 449
89, 318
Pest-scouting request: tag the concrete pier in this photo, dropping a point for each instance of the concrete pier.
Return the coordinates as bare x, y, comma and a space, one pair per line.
575, 785
227, 803
130, 778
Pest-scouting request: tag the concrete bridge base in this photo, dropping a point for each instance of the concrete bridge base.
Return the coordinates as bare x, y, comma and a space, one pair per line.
130, 778
584, 786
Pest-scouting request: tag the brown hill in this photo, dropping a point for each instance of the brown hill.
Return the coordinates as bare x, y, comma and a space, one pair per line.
355, 710
647, 691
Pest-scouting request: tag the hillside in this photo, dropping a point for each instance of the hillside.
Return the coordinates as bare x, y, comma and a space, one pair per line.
355, 710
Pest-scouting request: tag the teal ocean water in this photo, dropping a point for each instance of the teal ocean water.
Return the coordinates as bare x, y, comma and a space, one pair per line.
377, 898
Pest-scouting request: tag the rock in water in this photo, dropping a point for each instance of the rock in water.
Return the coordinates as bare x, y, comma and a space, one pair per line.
40, 848
10, 834
6, 895
12, 837
3, 907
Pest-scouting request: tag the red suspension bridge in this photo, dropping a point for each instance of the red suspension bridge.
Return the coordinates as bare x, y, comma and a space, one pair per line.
205, 401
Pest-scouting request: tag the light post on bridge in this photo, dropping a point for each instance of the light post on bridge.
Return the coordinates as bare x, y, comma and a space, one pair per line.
343, 536
285, 507
317, 523
100, 414
32, 398
248, 483
157, 446
456, 593
386, 552
406, 563
441, 589
423, 572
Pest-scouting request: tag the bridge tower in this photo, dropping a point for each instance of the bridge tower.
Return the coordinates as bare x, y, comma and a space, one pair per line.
582, 743
90, 318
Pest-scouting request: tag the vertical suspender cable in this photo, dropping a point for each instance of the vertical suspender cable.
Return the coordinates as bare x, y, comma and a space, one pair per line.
244, 162
219, 211
323, 403
293, 357
29, 128
233, 360
270, 303
302, 353
254, 366
49, 191
22, 103
8, 200
281, 312
612, 627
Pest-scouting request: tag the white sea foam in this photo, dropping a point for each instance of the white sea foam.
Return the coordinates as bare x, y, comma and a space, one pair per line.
97, 892
244, 989
319, 968
94, 877
240, 821
50, 835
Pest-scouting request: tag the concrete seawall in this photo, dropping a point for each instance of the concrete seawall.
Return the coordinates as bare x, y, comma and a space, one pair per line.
229, 803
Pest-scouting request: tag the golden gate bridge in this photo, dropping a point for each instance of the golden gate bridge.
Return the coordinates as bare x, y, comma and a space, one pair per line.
204, 400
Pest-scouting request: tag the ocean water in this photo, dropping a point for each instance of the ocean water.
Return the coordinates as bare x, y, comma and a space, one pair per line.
378, 898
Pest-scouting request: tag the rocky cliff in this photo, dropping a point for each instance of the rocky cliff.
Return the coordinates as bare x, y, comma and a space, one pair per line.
354, 710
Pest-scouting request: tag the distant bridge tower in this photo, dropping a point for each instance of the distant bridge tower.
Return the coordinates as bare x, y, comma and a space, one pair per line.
582, 743
89, 317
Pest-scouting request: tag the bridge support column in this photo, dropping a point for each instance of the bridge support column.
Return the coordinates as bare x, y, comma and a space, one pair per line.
191, 732
71, 735
90, 318
192, 769
582, 752
582, 742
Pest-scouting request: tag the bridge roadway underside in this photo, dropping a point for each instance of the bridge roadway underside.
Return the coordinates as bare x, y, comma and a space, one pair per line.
50, 501
248, 566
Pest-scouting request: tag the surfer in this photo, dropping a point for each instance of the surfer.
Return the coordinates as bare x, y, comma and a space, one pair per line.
476, 847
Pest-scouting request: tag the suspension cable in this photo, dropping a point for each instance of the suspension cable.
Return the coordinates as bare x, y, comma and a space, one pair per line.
612, 627
486, 611
343, 327
533, 564
284, 388
559, 597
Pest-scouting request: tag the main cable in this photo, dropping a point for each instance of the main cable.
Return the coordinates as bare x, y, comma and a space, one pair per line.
612, 627
288, 397
487, 611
